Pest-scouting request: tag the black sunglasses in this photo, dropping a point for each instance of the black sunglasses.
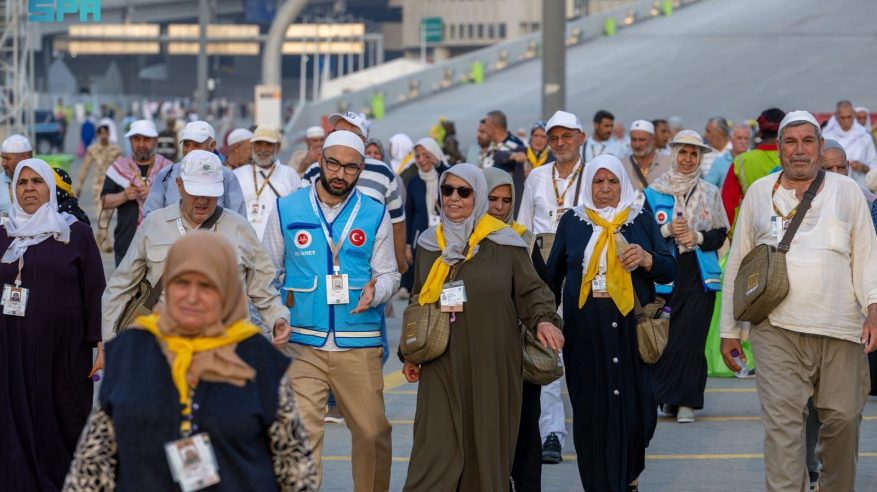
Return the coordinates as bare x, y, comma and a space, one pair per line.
462, 191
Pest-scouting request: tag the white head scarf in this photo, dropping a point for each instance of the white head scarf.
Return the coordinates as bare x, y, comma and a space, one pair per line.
628, 199
457, 233
30, 229
859, 109
400, 147
431, 177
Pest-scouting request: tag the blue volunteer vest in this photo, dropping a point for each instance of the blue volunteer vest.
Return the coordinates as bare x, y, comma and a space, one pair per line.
308, 259
662, 206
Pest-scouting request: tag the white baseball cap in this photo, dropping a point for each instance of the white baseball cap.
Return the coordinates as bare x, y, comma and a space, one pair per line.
563, 120
793, 116
345, 138
315, 132
142, 127
643, 126
201, 172
354, 119
266, 134
198, 131
16, 144
237, 136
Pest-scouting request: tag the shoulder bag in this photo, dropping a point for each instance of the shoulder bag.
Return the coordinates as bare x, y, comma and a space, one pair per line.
426, 329
542, 365
763, 281
146, 295
652, 331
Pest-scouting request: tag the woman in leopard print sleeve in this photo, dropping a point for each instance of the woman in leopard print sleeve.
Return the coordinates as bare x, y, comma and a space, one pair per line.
237, 392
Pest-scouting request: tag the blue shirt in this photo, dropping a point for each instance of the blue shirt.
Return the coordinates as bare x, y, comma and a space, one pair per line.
5, 195
719, 170
164, 191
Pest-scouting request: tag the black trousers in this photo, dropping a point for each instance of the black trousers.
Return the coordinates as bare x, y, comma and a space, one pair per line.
527, 466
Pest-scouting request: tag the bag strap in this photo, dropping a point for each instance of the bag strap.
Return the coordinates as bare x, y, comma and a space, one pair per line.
638, 311
156, 291
575, 201
809, 195
639, 172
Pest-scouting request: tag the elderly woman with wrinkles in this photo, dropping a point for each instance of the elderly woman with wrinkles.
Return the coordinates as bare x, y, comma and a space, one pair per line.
52, 278
610, 388
469, 399
194, 392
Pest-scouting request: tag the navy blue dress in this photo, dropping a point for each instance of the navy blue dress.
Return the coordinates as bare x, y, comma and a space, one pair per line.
139, 395
417, 215
610, 388
45, 357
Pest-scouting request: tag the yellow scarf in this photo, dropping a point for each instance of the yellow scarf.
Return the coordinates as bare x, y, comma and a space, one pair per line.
519, 228
432, 288
185, 348
618, 281
61, 185
535, 160
403, 164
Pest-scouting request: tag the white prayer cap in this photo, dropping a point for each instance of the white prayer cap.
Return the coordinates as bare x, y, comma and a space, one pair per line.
799, 115
315, 132
563, 120
16, 144
201, 173
345, 138
354, 119
643, 126
198, 131
142, 127
238, 135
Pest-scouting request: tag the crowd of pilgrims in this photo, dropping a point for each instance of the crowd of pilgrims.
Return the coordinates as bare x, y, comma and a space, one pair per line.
530, 221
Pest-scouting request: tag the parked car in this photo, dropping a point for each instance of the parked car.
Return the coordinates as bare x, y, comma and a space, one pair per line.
49, 132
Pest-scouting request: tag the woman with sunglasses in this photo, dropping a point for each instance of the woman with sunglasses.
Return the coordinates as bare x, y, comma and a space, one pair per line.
469, 399
610, 388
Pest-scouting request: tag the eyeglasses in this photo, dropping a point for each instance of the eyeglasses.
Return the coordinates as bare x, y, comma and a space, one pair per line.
333, 165
462, 191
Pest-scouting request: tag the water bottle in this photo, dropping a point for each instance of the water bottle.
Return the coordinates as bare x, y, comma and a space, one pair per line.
98, 375
744, 369
665, 313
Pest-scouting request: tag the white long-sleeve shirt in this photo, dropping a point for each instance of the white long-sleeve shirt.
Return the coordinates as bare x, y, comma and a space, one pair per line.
383, 261
539, 203
282, 181
831, 263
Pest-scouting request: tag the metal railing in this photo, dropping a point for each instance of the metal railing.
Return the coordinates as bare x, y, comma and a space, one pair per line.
472, 67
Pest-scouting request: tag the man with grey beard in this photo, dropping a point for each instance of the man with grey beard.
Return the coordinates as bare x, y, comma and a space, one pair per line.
644, 164
265, 180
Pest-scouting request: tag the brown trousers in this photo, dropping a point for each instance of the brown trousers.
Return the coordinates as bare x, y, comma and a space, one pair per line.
792, 367
356, 379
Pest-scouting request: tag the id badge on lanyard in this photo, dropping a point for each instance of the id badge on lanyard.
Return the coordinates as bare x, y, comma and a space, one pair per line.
192, 462
256, 211
15, 296
778, 227
598, 285
337, 285
453, 297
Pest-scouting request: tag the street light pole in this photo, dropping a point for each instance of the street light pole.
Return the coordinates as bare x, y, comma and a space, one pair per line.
203, 20
553, 57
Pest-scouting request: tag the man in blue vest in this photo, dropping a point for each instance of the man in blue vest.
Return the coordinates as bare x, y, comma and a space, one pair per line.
333, 248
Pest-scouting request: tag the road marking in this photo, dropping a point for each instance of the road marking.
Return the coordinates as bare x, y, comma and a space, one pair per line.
393, 391
393, 380
650, 457
728, 418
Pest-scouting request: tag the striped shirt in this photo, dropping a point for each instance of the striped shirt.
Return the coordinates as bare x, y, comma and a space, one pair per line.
377, 181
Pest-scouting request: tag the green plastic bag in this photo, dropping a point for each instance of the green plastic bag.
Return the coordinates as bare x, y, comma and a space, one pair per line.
716, 367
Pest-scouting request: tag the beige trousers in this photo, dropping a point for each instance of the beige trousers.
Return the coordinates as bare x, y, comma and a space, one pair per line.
357, 381
792, 367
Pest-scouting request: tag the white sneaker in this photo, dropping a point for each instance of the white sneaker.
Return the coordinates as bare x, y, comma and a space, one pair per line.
685, 415
667, 411
333, 416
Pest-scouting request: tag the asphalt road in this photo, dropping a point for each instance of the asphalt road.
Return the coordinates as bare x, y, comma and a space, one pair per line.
719, 57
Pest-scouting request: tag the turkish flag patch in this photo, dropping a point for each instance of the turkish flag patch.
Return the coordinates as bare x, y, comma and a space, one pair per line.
357, 237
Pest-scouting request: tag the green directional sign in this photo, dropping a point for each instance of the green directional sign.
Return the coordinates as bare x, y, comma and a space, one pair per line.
431, 29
